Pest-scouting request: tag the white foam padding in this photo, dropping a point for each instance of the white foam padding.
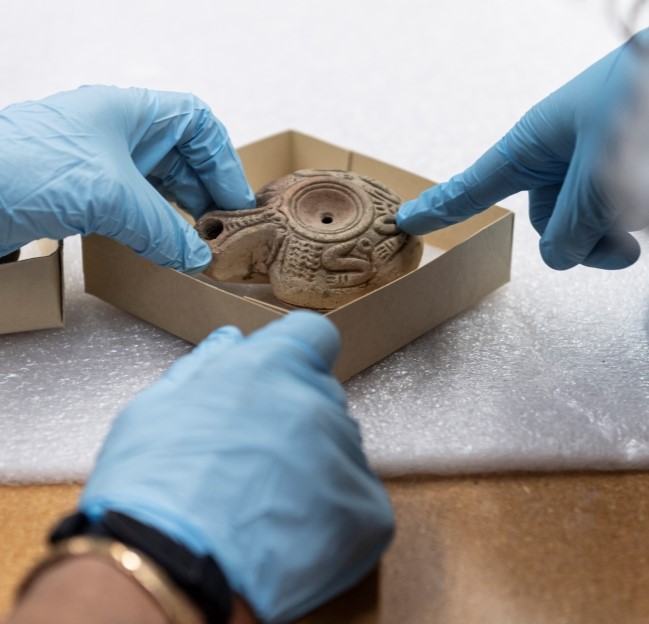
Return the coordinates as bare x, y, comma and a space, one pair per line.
548, 373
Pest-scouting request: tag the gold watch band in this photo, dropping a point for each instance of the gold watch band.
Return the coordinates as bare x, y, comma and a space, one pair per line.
174, 603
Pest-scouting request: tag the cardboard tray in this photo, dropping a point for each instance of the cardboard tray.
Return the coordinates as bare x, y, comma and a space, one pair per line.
31, 289
465, 263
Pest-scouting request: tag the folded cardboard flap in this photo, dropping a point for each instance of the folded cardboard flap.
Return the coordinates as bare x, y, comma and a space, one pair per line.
184, 306
471, 260
394, 315
31, 289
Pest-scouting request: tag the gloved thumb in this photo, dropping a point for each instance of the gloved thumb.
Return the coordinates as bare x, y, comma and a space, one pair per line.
140, 218
311, 334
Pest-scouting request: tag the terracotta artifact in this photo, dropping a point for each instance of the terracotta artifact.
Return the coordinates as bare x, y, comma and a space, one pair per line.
320, 237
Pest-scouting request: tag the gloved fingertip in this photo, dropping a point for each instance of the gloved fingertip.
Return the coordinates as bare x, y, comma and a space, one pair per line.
554, 258
225, 179
227, 333
198, 256
313, 331
403, 214
413, 218
241, 197
155, 230
614, 252
251, 200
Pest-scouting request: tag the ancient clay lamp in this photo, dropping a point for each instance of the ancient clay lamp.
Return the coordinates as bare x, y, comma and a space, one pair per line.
320, 237
12, 257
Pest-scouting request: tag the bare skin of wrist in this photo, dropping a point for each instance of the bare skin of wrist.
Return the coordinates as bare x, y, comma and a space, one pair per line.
85, 590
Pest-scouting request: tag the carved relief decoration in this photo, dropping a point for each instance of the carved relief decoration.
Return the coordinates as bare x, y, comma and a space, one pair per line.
320, 237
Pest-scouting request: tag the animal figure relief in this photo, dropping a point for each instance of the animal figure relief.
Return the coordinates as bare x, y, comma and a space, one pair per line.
322, 238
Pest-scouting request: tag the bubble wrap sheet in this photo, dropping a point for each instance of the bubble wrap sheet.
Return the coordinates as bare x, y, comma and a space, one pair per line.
548, 373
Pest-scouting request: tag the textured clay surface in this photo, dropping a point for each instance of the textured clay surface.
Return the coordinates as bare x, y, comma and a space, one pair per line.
321, 238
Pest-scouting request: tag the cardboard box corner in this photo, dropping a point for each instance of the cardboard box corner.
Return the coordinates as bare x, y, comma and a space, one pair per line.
32, 291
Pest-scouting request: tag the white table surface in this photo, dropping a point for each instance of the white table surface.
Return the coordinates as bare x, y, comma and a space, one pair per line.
550, 372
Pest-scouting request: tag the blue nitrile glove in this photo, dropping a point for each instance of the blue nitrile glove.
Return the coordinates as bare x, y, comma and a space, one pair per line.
565, 151
76, 162
243, 450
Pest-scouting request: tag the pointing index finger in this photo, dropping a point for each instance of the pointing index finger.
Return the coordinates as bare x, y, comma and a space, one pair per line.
491, 178
313, 334
534, 153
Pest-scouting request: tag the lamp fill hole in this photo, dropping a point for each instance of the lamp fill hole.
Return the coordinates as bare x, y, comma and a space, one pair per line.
212, 230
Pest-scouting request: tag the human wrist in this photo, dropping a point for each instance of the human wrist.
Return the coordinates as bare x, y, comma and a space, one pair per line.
84, 575
85, 590
187, 581
131, 563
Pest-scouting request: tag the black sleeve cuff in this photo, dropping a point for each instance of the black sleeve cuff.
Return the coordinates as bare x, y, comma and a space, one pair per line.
200, 577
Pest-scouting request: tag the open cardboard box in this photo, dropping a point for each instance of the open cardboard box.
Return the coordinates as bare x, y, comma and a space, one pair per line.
31, 288
461, 265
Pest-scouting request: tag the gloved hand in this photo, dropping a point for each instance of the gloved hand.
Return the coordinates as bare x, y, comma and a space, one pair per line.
244, 451
567, 151
76, 162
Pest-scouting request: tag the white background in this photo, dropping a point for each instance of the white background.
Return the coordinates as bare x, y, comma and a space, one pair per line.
550, 372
